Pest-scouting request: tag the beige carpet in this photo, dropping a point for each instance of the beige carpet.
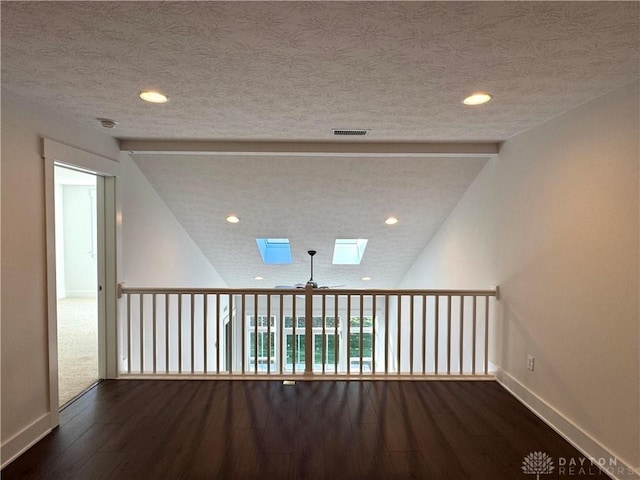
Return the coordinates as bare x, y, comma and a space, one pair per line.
77, 346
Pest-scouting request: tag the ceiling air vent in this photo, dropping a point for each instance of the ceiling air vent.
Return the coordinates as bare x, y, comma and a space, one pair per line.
349, 132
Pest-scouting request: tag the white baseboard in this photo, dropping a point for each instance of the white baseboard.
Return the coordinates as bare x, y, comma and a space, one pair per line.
22, 441
588, 446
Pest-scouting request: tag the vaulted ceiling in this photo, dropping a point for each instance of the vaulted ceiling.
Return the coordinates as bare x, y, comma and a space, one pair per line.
292, 71
311, 201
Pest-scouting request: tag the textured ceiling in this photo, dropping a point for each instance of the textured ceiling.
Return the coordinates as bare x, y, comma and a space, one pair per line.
294, 70
311, 201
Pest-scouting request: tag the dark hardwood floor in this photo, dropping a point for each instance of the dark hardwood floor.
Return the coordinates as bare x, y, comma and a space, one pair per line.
151, 430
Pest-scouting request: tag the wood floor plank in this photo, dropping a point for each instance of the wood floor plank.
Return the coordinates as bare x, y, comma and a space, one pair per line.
274, 465
175, 443
210, 452
396, 424
373, 457
100, 466
409, 464
327, 430
84, 448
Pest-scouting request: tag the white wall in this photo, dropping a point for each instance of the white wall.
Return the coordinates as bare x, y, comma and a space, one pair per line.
24, 371
554, 220
157, 251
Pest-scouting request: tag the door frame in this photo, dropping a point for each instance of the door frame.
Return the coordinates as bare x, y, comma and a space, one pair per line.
107, 171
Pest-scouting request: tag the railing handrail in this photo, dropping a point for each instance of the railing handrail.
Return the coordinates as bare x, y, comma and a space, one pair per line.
400, 313
301, 291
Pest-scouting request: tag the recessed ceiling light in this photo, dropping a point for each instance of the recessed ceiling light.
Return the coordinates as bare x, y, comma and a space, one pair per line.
391, 221
366, 279
232, 219
477, 99
153, 97
258, 277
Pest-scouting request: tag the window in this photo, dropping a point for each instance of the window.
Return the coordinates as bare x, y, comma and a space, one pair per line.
274, 250
367, 343
349, 251
331, 344
265, 345
264, 350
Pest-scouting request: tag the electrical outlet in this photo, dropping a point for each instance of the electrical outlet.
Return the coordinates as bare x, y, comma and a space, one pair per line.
530, 362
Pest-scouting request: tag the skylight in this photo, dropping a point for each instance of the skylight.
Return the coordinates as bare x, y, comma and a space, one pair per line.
349, 251
274, 250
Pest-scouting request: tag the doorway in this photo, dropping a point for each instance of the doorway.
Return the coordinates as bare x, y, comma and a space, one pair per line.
77, 287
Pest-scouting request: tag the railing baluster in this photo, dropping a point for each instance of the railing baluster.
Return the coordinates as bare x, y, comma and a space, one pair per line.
281, 335
348, 334
229, 345
448, 345
461, 335
324, 333
399, 323
424, 334
486, 335
336, 338
255, 333
205, 333
218, 343
374, 321
166, 333
154, 334
141, 325
192, 331
179, 333
411, 328
268, 334
361, 346
243, 334
386, 334
129, 333
473, 339
436, 333
294, 341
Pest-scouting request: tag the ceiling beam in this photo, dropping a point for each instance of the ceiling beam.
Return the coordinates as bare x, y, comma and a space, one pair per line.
386, 149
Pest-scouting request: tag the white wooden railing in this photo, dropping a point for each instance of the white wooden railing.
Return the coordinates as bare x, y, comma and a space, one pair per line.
287, 332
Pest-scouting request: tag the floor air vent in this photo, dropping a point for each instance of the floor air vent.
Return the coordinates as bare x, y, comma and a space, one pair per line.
349, 132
